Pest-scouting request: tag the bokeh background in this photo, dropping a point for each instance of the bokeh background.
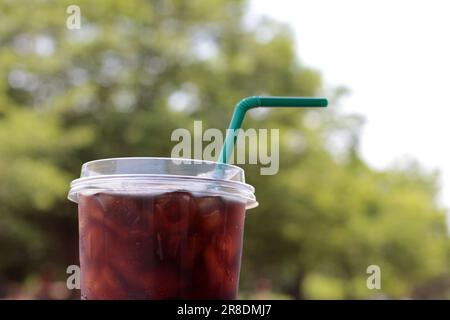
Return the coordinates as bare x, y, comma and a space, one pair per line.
137, 70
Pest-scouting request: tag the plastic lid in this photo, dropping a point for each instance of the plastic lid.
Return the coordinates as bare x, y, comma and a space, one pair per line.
158, 175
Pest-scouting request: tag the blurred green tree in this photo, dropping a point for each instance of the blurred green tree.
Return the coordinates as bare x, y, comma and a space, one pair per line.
137, 70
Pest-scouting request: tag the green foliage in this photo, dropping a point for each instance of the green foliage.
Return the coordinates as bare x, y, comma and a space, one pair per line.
113, 88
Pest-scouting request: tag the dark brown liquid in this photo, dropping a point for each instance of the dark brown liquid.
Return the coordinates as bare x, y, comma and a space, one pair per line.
168, 246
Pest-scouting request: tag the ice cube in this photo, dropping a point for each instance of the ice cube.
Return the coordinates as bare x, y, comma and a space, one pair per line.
167, 245
104, 285
211, 214
172, 212
190, 250
228, 248
214, 267
112, 282
235, 217
90, 208
210, 204
92, 241
124, 209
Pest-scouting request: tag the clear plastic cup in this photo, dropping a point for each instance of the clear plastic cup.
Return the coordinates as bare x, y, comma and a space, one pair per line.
160, 228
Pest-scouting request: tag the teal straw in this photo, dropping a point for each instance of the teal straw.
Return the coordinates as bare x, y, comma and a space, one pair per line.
255, 102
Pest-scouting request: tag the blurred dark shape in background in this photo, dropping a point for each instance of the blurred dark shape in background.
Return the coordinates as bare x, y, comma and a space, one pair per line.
137, 70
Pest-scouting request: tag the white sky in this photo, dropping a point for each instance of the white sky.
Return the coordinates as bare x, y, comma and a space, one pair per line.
394, 56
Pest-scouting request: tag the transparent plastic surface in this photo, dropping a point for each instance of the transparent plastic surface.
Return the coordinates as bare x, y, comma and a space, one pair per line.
156, 175
157, 228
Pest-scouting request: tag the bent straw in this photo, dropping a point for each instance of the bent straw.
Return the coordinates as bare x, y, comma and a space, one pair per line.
255, 102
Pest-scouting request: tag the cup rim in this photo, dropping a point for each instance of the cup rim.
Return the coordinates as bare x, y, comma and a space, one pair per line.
148, 181
162, 158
